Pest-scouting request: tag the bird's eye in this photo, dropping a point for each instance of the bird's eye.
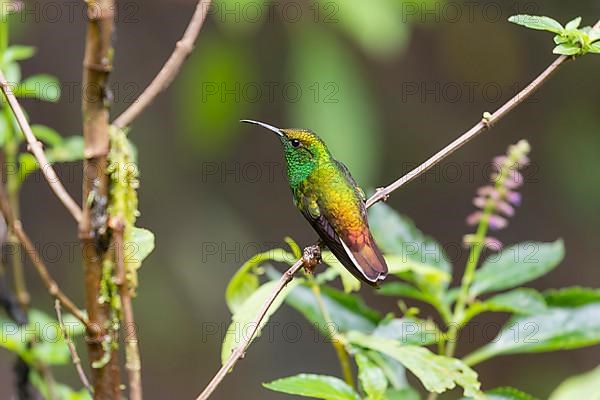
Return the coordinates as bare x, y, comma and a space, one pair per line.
295, 143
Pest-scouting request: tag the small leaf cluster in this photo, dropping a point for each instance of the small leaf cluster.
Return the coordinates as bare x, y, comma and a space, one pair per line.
570, 40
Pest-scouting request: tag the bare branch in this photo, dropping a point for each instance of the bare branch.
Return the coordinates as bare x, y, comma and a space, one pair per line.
240, 351
165, 76
53, 288
35, 146
74, 356
132, 352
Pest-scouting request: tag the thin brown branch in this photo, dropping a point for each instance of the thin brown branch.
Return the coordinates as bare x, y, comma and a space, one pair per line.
53, 288
35, 146
74, 356
240, 351
485, 123
97, 64
132, 352
383, 194
170, 69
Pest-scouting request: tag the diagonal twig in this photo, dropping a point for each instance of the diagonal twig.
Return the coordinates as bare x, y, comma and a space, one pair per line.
74, 356
170, 69
35, 146
53, 288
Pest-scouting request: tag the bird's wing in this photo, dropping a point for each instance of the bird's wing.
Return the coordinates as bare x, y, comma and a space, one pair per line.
351, 181
362, 263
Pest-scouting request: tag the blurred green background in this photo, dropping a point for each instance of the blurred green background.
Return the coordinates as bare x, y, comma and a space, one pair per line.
386, 83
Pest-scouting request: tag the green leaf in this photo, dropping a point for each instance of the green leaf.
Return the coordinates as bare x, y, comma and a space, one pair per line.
245, 281
595, 47
371, 377
17, 53
400, 289
516, 265
415, 271
402, 394
394, 371
573, 24
506, 393
436, 373
332, 96
47, 135
518, 301
571, 296
349, 282
315, 386
42, 87
409, 331
142, 243
12, 72
242, 321
537, 22
584, 386
567, 49
396, 234
59, 390
68, 150
347, 311
11, 336
556, 329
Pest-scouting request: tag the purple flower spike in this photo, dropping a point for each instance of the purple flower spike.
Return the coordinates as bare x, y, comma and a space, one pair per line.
514, 179
497, 222
474, 218
513, 198
488, 191
493, 244
499, 162
505, 208
480, 202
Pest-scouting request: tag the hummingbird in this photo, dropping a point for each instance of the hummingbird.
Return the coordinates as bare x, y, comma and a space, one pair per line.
327, 195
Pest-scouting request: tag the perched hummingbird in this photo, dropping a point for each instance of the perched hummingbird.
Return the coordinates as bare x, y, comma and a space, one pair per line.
329, 198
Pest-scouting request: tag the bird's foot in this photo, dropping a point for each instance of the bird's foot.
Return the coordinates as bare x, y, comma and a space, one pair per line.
311, 258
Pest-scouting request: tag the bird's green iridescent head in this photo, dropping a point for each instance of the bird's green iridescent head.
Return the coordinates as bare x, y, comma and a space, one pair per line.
303, 151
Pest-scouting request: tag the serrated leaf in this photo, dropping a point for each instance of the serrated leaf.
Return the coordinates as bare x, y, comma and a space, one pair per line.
402, 394
17, 53
567, 49
41, 86
518, 301
584, 386
537, 22
573, 24
408, 331
571, 296
242, 320
556, 329
245, 281
437, 373
315, 386
347, 311
516, 265
371, 377
393, 370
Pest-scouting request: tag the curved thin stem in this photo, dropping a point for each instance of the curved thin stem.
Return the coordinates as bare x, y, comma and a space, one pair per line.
35, 147
165, 76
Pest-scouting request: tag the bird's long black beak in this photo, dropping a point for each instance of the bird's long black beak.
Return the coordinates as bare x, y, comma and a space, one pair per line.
266, 126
